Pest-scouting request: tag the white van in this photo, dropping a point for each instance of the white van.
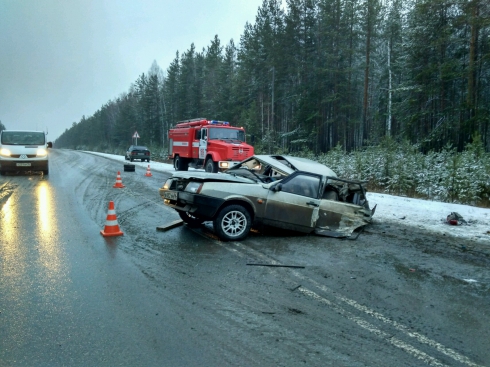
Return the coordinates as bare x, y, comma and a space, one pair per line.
22, 150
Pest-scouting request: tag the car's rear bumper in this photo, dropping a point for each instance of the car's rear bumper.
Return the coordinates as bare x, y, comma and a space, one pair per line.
143, 157
201, 206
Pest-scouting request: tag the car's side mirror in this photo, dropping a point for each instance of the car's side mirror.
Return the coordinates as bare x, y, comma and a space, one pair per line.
276, 188
50, 144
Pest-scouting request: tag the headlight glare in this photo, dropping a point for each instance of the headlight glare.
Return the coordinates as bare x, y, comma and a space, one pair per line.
5, 152
41, 152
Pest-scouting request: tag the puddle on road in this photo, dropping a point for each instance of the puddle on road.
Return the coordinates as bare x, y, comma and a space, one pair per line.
6, 190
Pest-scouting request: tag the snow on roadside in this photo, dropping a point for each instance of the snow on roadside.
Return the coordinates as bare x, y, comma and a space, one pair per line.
424, 214
431, 215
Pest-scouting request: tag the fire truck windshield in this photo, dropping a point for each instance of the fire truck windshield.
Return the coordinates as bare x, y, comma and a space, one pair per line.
226, 133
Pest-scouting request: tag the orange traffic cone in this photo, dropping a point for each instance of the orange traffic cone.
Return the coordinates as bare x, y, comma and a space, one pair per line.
148, 173
111, 226
118, 183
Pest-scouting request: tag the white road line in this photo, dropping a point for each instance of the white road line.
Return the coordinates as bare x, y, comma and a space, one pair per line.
402, 328
373, 329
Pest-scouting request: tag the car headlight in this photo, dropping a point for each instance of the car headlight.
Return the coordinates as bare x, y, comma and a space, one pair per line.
167, 184
5, 152
42, 152
194, 187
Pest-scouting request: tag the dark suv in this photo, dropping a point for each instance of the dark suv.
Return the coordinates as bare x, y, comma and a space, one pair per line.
137, 152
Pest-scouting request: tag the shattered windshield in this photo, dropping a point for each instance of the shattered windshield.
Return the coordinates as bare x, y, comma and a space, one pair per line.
256, 170
226, 134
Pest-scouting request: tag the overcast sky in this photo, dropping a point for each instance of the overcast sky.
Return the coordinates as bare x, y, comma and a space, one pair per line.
62, 59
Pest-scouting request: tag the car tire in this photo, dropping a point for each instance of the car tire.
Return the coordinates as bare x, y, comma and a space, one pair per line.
180, 164
190, 219
129, 168
46, 172
232, 223
131, 159
211, 166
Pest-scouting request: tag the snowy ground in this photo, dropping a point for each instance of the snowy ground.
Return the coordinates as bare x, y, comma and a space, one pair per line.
426, 215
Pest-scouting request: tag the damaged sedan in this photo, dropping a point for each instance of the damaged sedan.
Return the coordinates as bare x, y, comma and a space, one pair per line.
281, 191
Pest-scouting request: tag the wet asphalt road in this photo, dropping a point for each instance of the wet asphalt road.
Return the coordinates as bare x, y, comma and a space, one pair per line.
70, 297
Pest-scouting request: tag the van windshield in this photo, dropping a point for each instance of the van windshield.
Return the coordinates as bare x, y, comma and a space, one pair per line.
23, 138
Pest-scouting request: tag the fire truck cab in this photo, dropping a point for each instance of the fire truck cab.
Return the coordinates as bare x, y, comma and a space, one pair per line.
209, 144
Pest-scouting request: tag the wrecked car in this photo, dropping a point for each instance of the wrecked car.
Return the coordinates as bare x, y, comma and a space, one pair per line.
281, 191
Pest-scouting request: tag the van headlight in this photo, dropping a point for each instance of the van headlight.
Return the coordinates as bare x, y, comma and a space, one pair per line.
42, 152
5, 152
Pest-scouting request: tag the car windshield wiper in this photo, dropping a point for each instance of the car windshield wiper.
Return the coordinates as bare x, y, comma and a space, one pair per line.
256, 175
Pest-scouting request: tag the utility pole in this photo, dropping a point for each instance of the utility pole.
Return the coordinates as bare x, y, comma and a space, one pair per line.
388, 122
272, 112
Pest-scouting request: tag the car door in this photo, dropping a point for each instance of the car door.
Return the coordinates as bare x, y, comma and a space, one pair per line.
294, 202
203, 144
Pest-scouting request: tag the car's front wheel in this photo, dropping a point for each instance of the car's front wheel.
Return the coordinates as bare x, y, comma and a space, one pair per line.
233, 223
190, 219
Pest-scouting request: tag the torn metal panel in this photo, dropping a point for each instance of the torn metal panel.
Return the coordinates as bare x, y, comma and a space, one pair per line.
340, 219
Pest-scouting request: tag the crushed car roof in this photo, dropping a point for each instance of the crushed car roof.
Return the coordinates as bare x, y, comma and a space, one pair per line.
283, 163
291, 164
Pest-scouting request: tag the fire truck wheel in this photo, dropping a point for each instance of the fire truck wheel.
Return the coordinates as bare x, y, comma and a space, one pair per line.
180, 164
211, 166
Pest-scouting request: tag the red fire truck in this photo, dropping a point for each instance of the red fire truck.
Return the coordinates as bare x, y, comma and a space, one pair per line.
209, 144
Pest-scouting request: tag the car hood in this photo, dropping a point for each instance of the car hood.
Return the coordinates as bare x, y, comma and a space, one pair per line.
208, 176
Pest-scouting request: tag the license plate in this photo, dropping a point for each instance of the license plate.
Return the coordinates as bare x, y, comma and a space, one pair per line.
170, 195
23, 164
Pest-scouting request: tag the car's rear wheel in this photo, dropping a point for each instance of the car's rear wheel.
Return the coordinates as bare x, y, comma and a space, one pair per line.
190, 219
211, 166
180, 164
233, 223
131, 159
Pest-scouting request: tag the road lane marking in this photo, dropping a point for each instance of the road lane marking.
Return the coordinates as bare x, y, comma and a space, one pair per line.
400, 327
373, 329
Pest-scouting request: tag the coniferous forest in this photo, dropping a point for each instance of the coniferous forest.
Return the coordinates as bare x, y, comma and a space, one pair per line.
325, 76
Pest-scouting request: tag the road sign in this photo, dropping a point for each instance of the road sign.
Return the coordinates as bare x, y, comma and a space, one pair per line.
135, 135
